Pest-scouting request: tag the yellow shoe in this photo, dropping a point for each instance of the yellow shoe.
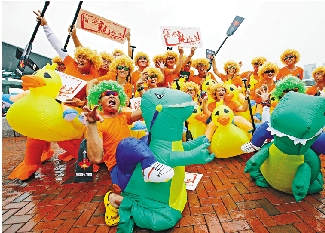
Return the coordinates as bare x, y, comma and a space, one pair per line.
111, 215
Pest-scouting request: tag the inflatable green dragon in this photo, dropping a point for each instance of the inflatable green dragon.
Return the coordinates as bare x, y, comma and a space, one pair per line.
288, 163
159, 206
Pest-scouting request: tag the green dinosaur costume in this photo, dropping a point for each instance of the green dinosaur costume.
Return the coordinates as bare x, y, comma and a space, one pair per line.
159, 206
288, 164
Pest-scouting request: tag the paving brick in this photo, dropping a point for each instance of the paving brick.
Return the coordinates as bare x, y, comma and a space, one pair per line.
233, 226
268, 207
18, 219
192, 220
282, 229
257, 226
13, 228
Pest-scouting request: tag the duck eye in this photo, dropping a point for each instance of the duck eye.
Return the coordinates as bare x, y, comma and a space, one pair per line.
273, 98
207, 83
226, 110
47, 75
217, 113
231, 88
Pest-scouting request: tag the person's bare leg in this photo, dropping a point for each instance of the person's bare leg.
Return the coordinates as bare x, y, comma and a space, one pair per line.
115, 200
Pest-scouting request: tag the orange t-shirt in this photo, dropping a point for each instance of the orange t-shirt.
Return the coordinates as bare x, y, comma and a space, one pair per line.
169, 77
199, 80
128, 88
72, 69
298, 72
112, 131
236, 80
135, 76
312, 90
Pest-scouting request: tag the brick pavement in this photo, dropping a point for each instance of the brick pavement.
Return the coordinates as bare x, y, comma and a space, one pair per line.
226, 200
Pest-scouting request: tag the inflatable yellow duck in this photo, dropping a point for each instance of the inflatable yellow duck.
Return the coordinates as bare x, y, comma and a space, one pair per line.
39, 116
228, 138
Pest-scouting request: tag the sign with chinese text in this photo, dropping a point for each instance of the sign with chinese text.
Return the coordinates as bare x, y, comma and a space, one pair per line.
70, 86
135, 103
101, 26
181, 36
192, 180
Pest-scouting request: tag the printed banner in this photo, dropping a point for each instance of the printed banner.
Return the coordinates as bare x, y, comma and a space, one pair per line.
181, 36
70, 86
192, 180
135, 103
101, 26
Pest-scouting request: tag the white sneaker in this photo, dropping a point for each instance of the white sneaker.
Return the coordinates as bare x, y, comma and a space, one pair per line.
158, 172
249, 147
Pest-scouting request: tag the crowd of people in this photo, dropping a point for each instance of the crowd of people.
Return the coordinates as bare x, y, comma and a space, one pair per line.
113, 79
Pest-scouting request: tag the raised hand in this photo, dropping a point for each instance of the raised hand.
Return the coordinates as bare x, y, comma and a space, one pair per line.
92, 115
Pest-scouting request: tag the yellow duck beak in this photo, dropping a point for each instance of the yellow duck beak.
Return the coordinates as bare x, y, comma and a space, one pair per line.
32, 81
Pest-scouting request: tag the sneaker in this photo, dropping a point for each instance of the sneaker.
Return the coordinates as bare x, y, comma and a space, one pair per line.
158, 172
249, 148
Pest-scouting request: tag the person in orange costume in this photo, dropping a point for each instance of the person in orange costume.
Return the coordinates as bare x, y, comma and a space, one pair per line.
149, 78
170, 71
201, 65
252, 75
142, 61
319, 77
84, 65
187, 63
267, 72
119, 70
232, 69
290, 58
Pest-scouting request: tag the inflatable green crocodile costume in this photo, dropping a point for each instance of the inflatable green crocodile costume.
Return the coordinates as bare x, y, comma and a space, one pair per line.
288, 164
159, 206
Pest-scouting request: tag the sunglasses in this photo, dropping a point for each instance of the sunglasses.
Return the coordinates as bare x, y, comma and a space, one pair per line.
319, 73
258, 64
231, 67
269, 72
109, 92
123, 67
170, 58
288, 57
190, 89
142, 58
153, 76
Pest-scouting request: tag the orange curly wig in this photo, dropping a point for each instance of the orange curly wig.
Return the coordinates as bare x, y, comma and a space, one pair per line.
90, 54
121, 61
170, 53
141, 54
115, 51
190, 84
159, 57
231, 63
320, 69
258, 60
107, 56
290, 52
268, 66
156, 71
203, 61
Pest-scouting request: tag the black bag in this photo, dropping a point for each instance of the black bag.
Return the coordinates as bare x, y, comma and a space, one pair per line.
188, 134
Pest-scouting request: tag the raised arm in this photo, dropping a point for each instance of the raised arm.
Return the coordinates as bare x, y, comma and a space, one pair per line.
188, 58
128, 37
51, 37
214, 67
74, 36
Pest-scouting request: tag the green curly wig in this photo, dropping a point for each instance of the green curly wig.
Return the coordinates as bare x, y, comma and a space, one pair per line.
96, 91
288, 83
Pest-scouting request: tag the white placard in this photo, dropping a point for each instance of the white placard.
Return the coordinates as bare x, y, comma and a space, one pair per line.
70, 86
101, 26
181, 36
135, 103
192, 180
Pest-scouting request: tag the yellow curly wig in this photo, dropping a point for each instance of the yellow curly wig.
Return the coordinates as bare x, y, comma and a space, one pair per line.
141, 54
158, 57
268, 66
190, 84
107, 56
121, 61
153, 70
258, 60
203, 61
92, 55
319, 69
231, 63
57, 59
170, 53
290, 52
213, 88
115, 51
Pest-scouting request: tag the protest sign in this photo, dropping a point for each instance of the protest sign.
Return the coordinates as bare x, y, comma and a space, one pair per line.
135, 103
101, 26
192, 180
181, 36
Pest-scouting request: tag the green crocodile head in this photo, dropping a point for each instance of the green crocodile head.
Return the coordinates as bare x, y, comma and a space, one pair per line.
297, 121
164, 111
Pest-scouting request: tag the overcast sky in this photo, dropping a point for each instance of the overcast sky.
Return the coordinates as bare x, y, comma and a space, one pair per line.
269, 28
